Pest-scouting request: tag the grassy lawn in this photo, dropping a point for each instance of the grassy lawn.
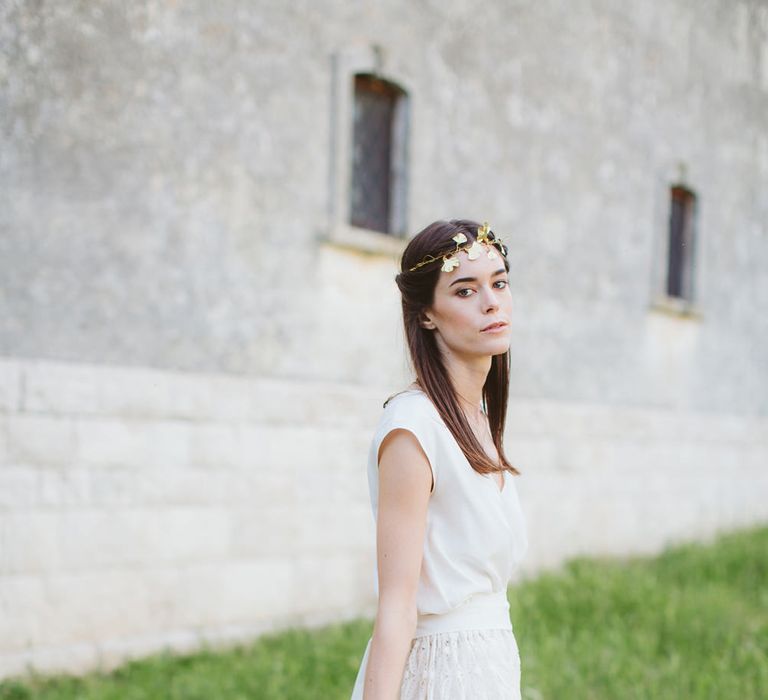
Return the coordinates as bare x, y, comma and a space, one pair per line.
691, 623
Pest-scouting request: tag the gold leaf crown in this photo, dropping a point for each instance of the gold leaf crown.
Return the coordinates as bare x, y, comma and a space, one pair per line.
485, 237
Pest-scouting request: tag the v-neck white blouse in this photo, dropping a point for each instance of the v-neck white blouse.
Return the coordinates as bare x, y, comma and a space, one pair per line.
475, 534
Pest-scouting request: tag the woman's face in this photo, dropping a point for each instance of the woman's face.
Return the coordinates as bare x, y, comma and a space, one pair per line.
468, 299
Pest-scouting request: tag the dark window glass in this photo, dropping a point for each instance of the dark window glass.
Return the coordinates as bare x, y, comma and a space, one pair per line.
681, 242
375, 153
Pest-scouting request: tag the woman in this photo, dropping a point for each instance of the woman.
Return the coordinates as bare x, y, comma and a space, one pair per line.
449, 528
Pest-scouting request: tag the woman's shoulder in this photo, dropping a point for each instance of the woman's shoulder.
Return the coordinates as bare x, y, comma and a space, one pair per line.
412, 395
410, 409
410, 389
411, 402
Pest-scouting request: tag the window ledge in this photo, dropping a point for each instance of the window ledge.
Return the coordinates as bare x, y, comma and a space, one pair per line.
674, 306
365, 240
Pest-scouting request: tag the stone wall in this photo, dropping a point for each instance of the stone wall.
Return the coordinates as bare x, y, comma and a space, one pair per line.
142, 507
147, 509
195, 351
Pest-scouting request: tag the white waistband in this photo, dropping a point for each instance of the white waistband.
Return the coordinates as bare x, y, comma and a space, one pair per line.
481, 611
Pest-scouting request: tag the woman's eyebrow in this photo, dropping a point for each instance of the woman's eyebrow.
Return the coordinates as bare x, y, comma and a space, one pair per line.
502, 271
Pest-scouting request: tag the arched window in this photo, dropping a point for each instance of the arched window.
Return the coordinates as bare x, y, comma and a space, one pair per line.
682, 234
378, 155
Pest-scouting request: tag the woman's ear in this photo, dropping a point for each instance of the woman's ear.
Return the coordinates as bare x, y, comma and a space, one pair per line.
427, 322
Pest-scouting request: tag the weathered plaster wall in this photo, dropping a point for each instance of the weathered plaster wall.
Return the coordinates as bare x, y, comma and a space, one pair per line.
165, 185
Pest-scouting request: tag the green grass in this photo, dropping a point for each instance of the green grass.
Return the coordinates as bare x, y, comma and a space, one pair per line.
691, 623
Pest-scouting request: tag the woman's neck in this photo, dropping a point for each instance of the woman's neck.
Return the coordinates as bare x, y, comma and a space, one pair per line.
468, 380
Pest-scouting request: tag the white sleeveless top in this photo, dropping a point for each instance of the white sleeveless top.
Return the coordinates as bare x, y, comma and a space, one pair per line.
475, 533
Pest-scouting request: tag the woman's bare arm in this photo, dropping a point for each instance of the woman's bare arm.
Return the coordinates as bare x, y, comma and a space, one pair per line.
405, 481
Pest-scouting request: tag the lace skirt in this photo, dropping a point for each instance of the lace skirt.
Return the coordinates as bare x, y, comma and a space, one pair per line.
479, 664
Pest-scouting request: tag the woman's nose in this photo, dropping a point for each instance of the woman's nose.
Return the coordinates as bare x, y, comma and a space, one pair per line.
489, 299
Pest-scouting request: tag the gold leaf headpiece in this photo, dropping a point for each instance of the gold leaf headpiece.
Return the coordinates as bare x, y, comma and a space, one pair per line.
485, 239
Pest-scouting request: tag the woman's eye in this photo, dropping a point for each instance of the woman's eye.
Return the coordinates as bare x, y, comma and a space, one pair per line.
466, 291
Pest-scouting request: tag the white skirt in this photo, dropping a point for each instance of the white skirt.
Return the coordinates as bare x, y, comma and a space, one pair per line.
463, 665
458, 665
466, 653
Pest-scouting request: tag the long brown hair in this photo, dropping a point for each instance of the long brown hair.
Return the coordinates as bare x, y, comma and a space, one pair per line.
417, 289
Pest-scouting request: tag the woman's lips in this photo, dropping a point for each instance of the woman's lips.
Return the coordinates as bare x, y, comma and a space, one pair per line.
495, 328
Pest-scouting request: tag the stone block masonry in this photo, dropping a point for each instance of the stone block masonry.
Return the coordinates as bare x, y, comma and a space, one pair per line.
143, 509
